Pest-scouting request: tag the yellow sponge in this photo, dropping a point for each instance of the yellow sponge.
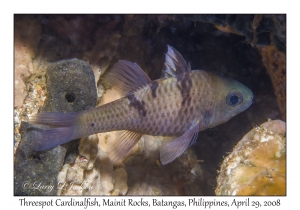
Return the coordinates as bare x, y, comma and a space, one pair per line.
257, 164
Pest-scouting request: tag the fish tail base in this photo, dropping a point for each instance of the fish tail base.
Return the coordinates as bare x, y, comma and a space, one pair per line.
55, 119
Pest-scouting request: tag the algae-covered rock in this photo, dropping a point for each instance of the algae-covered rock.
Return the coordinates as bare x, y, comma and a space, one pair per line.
71, 87
26, 39
35, 172
257, 164
275, 63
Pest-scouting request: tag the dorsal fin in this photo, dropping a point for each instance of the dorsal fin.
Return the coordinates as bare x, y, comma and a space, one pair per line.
127, 77
174, 63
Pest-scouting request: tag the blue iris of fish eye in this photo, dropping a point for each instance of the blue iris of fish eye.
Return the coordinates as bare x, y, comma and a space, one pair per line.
234, 98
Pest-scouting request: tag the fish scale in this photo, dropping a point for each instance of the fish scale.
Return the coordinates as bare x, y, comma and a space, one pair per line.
179, 105
118, 115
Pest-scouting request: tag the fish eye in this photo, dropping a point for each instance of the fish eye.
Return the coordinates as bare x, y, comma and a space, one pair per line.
234, 98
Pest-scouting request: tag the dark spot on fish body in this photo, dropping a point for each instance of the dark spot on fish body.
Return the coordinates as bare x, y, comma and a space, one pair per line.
153, 88
184, 84
186, 100
93, 124
138, 105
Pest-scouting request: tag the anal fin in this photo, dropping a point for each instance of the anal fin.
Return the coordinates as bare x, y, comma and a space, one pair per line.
124, 145
170, 150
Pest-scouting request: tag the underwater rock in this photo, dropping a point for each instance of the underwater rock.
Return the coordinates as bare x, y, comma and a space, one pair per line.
92, 173
259, 29
35, 173
36, 93
257, 164
120, 186
27, 36
70, 87
275, 63
27, 94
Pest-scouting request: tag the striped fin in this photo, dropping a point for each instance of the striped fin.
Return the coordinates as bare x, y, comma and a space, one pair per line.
170, 150
127, 77
174, 64
124, 145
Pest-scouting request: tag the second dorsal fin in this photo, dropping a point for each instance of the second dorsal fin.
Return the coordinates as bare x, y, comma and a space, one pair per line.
127, 77
174, 63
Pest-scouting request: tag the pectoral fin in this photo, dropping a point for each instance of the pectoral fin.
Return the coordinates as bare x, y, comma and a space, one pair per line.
174, 148
124, 145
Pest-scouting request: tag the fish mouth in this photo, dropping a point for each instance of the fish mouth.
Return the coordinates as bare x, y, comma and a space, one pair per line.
246, 106
249, 104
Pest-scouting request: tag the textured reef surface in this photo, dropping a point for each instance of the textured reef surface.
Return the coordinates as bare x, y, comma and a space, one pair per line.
59, 62
257, 164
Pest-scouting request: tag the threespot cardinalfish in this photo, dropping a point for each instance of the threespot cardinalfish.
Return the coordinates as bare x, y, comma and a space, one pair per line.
178, 105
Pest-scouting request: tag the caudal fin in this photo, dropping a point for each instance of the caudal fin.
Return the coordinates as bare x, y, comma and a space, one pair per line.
64, 127
43, 139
